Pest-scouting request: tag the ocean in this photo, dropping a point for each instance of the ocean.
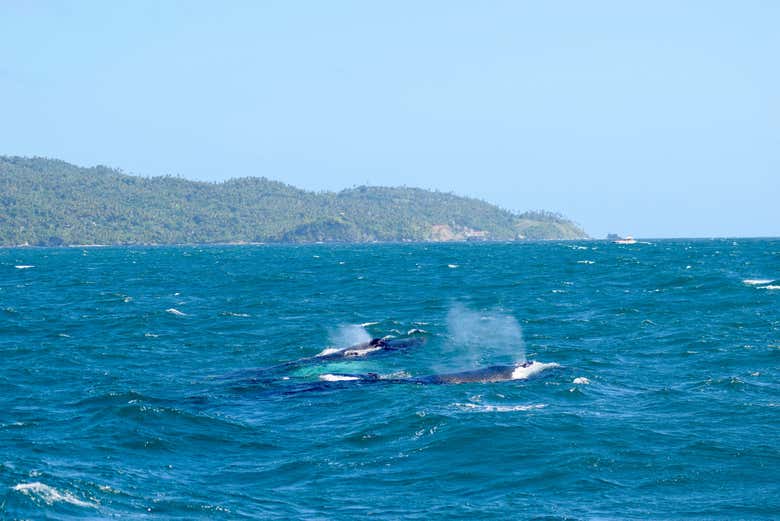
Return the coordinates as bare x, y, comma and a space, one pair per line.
150, 382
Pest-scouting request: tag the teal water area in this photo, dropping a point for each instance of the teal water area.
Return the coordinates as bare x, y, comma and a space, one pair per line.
131, 384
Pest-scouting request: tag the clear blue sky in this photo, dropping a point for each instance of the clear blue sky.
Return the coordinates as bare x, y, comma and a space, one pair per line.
656, 118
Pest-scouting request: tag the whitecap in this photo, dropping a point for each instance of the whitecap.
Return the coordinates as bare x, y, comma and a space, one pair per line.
151, 335
498, 408
771, 287
415, 330
521, 373
586, 262
367, 324
452, 266
232, 314
337, 378
174, 311
581, 380
50, 495
28, 266
328, 351
757, 282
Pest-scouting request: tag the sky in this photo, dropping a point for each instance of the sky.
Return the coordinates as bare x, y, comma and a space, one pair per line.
648, 118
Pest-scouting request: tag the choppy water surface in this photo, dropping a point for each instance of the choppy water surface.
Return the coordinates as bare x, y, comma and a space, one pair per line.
127, 389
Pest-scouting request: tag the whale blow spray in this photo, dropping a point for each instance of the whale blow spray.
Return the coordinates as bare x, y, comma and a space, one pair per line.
349, 335
479, 338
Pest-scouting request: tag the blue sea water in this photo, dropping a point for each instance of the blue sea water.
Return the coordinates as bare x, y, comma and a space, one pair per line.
130, 388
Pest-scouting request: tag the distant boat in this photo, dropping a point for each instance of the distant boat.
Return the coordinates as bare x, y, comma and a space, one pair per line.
625, 240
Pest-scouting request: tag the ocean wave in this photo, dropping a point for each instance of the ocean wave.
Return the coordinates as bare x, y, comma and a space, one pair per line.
771, 287
586, 262
367, 324
232, 314
477, 407
581, 380
50, 495
174, 311
757, 282
24, 266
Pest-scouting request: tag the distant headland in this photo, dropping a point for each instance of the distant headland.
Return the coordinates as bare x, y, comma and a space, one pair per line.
47, 202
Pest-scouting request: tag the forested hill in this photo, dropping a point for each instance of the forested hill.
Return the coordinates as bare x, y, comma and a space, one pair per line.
50, 202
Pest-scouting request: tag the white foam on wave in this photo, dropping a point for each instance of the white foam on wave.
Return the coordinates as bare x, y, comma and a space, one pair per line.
757, 282
771, 287
586, 262
521, 373
415, 330
232, 314
174, 311
50, 495
581, 380
337, 378
452, 266
28, 266
328, 351
367, 324
476, 407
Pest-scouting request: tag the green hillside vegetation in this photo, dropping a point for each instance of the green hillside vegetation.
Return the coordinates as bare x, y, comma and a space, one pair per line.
51, 203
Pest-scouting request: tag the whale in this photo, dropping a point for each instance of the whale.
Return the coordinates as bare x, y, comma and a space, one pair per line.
375, 347
491, 374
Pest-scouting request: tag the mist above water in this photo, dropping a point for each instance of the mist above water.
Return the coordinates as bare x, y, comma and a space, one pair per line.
482, 337
349, 335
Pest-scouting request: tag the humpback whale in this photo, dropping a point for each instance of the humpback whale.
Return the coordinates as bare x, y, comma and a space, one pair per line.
491, 374
376, 346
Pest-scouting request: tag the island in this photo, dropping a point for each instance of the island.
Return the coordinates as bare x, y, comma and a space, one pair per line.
48, 202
